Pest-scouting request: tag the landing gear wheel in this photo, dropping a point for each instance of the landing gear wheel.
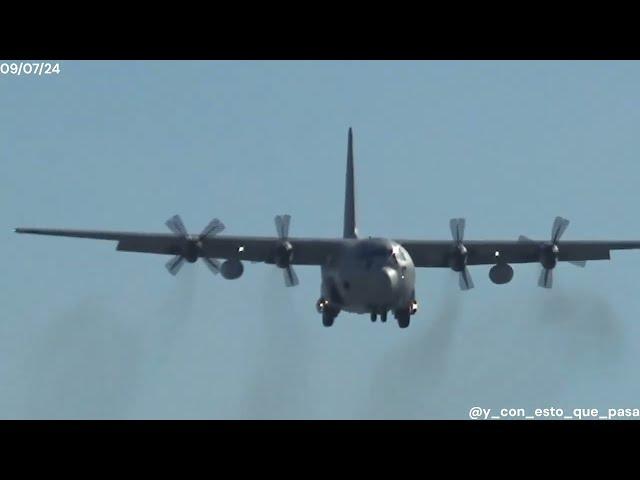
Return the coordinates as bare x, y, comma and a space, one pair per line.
328, 316
403, 317
383, 316
373, 316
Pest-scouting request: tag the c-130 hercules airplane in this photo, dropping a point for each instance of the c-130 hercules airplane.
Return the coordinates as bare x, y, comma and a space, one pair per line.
372, 275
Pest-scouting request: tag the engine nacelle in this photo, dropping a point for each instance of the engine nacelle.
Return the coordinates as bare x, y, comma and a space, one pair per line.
190, 252
458, 259
549, 256
232, 269
284, 254
501, 273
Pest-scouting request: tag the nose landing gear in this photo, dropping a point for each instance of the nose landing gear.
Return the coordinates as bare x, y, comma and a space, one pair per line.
383, 315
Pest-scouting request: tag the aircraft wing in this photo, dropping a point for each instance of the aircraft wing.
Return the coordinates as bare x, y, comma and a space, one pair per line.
316, 251
483, 252
307, 251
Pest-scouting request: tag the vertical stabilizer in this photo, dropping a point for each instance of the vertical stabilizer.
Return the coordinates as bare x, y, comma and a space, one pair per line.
350, 230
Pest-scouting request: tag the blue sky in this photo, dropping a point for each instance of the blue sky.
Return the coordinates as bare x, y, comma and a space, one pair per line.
88, 332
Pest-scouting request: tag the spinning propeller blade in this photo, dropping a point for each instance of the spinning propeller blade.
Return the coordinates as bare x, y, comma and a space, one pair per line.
460, 256
192, 246
549, 252
282, 228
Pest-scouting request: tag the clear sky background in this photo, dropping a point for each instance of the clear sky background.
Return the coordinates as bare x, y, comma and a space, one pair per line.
88, 332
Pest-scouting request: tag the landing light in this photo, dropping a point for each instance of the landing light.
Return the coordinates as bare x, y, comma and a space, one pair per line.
414, 307
241, 248
497, 254
321, 305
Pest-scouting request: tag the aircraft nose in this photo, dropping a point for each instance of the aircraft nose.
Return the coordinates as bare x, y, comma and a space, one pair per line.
385, 284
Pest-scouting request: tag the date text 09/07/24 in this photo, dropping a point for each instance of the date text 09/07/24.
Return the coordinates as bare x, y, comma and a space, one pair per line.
29, 68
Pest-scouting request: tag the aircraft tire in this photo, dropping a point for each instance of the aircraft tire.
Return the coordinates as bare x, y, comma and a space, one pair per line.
403, 317
327, 318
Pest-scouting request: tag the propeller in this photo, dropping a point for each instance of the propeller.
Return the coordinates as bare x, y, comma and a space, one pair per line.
459, 257
192, 244
284, 252
549, 252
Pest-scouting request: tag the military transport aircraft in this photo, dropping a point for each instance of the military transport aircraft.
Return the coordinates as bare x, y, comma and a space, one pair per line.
359, 275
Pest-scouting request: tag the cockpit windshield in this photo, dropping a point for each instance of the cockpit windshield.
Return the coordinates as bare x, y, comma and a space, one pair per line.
373, 253
367, 251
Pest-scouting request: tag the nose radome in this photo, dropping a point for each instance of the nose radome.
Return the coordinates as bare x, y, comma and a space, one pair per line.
385, 284
391, 277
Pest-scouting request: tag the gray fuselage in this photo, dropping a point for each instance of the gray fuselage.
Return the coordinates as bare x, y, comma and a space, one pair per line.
370, 275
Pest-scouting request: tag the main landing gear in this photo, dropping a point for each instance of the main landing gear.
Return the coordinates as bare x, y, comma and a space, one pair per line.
403, 316
328, 316
329, 312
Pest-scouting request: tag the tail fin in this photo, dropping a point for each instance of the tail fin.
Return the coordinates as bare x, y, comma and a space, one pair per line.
350, 230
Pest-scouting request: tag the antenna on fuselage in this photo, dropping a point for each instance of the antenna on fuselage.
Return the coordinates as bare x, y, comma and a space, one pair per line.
350, 230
